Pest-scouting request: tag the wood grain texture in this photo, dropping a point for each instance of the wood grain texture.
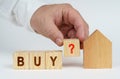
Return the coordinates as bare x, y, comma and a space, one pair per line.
37, 59
97, 51
21, 60
67, 48
54, 60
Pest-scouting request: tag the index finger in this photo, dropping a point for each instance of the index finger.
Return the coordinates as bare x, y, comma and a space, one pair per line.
73, 17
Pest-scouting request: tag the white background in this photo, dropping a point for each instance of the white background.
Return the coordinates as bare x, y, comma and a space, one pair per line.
103, 15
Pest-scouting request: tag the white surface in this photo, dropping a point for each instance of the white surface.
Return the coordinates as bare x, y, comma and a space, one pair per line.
103, 15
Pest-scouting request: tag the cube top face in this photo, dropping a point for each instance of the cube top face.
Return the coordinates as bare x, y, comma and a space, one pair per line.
71, 47
53, 51
54, 60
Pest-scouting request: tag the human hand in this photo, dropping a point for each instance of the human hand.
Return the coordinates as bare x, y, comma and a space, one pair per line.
59, 21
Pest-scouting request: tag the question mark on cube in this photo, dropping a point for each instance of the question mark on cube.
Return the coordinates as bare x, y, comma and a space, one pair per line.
71, 46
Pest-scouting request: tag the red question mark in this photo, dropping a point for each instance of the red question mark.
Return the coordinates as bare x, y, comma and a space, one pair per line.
72, 47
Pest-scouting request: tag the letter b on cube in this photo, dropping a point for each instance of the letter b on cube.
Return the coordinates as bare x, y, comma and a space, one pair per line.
21, 60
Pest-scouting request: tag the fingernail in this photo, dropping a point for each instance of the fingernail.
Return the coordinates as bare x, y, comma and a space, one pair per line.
59, 42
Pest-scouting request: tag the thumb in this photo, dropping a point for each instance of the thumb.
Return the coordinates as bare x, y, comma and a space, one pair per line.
55, 34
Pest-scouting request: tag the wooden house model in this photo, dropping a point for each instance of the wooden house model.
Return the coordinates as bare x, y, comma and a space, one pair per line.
97, 51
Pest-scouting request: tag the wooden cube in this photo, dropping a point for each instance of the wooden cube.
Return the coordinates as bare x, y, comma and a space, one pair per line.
21, 60
97, 51
37, 60
71, 47
53, 59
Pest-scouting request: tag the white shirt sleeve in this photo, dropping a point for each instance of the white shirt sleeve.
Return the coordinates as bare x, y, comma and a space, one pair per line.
24, 9
21, 10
